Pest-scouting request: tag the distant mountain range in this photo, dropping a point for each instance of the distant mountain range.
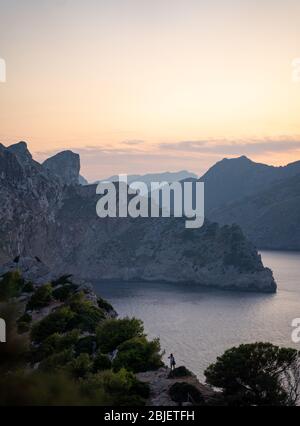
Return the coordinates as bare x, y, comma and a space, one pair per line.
263, 200
45, 212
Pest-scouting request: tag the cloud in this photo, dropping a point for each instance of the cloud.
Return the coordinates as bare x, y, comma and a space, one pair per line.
133, 142
240, 147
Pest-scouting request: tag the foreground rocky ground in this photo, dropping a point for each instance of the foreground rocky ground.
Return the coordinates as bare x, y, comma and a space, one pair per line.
160, 383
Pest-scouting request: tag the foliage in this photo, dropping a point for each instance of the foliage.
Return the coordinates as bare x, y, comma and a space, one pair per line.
46, 389
81, 366
103, 304
11, 285
28, 287
25, 318
53, 344
57, 362
86, 344
179, 372
122, 387
101, 363
138, 354
40, 298
257, 374
23, 323
64, 279
87, 316
58, 321
185, 392
63, 292
111, 333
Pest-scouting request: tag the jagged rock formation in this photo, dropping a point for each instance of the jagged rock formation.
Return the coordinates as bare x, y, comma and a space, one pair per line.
43, 216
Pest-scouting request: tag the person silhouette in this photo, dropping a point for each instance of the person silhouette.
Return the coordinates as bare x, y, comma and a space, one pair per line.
172, 361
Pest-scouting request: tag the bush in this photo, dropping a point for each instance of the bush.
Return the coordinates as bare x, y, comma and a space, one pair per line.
57, 362
25, 318
41, 298
122, 387
64, 292
103, 304
185, 392
257, 374
101, 363
59, 321
42, 389
87, 316
86, 345
179, 372
138, 354
113, 332
11, 285
54, 344
28, 287
23, 323
64, 279
81, 366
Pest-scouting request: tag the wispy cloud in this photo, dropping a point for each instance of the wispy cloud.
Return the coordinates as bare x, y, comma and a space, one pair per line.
239, 147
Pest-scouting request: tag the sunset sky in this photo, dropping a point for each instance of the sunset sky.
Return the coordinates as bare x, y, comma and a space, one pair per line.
138, 86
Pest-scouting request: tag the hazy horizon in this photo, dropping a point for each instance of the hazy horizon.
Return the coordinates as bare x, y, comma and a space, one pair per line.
139, 86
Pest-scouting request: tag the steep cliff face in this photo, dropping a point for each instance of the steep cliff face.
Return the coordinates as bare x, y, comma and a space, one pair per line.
42, 216
29, 198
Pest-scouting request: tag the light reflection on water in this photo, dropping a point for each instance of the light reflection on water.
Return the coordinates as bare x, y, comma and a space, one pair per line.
197, 325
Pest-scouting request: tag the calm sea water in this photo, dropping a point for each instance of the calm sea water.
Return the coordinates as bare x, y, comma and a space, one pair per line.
197, 325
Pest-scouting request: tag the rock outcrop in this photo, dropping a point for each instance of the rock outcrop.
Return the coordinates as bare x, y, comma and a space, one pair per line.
65, 165
41, 215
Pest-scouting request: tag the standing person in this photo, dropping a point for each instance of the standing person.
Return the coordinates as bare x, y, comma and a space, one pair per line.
172, 361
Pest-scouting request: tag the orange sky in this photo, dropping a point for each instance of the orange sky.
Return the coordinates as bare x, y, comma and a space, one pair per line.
144, 86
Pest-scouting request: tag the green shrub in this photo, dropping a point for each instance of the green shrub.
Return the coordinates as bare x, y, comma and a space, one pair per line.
11, 285
111, 333
64, 279
43, 389
28, 287
256, 374
23, 327
101, 362
87, 317
138, 354
25, 318
41, 298
23, 323
81, 366
86, 345
103, 304
179, 372
57, 362
64, 292
122, 388
185, 392
53, 344
58, 321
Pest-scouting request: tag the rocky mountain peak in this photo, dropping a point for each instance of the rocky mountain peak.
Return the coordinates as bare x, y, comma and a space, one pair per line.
65, 165
21, 151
